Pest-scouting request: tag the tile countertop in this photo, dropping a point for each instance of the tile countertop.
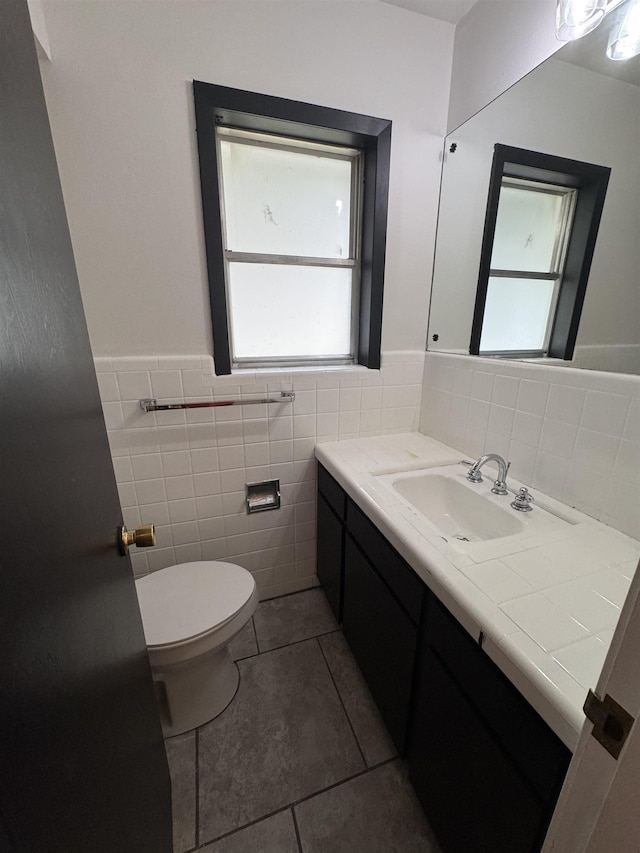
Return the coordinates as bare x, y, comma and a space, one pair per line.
546, 604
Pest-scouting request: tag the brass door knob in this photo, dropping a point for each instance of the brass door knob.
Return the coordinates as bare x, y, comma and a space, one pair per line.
141, 537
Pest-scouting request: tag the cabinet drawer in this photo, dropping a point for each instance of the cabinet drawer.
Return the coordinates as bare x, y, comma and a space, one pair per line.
332, 492
533, 746
399, 577
382, 638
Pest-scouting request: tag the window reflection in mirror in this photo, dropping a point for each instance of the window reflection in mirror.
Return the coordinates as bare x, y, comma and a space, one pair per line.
543, 215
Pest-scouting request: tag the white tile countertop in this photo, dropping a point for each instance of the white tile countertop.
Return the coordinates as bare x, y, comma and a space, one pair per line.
546, 602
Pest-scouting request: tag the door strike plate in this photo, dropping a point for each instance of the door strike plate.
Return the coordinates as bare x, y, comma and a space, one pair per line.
611, 723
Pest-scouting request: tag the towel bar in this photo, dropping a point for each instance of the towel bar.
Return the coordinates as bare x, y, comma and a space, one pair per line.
150, 404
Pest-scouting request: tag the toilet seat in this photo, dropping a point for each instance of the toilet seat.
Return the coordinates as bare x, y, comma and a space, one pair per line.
190, 614
181, 604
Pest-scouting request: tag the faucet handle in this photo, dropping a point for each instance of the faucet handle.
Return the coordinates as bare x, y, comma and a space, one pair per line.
523, 500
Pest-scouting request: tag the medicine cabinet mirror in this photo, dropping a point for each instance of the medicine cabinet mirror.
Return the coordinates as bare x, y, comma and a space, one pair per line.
578, 105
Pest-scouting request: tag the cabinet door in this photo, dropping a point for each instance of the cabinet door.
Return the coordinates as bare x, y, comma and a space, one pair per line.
474, 798
382, 639
329, 555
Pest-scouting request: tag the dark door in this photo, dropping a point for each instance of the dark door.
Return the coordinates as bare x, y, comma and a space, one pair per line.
82, 762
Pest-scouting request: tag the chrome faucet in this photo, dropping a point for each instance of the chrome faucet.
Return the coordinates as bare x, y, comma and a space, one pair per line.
500, 485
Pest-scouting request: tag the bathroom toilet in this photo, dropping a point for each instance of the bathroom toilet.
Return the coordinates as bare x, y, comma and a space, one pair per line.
190, 613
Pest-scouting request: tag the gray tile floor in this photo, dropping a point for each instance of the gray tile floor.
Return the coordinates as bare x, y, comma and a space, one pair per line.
300, 761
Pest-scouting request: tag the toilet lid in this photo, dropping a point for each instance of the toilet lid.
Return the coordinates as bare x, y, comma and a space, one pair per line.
182, 602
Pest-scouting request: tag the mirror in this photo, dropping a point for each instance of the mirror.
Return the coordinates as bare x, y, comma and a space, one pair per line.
580, 105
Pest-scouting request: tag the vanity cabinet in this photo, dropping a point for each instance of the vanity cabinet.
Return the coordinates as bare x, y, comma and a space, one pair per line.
381, 612
376, 595
485, 767
332, 503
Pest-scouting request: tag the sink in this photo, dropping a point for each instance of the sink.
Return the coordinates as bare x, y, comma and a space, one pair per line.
466, 514
455, 509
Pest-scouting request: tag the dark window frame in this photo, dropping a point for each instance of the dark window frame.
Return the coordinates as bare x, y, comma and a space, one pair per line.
252, 111
591, 181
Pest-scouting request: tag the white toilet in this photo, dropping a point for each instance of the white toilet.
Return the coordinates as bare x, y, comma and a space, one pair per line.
190, 613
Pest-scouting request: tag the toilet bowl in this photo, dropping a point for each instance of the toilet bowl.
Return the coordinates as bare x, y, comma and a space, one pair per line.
190, 613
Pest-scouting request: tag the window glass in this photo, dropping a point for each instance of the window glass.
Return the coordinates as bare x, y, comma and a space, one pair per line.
280, 311
286, 202
527, 229
516, 314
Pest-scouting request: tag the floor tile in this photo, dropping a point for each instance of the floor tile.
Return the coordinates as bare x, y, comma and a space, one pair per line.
376, 812
275, 834
181, 755
292, 618
372, 735
244, 644
284, 736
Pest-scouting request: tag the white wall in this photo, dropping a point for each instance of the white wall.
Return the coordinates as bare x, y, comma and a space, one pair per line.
120, 102
496, 44
39, 27
186, 470
573, 434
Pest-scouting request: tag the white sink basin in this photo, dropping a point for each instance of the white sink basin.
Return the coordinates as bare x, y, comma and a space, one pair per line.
455, 509
465, 513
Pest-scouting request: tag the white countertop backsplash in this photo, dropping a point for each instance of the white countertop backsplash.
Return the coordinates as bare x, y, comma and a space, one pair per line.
547, 604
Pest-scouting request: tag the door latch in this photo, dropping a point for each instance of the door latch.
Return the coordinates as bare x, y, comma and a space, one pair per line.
611, 723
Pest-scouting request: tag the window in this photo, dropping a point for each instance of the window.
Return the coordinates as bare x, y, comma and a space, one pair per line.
294, 207
291, 213
527, 260
542, 221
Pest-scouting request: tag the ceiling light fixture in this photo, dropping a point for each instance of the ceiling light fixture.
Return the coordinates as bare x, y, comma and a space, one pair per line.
576, 18
624, 39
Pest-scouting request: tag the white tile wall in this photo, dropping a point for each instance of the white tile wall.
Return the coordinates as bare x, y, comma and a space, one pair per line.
186, 470
574, 434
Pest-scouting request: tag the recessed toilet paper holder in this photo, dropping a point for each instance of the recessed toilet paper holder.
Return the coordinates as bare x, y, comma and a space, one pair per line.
263, 496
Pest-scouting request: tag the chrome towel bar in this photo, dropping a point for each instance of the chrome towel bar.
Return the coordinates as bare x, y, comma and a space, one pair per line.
150, 404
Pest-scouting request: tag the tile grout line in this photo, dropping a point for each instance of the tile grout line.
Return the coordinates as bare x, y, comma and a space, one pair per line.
343, 781
346, 713
293, 643
197, 809
297, 830
238, 829
255, 633
295, 803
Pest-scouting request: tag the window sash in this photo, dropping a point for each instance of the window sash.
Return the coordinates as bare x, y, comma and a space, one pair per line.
331, 359
356, 158
561, 244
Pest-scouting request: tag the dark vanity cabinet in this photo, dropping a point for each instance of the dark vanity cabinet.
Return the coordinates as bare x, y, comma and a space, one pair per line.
331, 511
485, 767
376, 596
381, 613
